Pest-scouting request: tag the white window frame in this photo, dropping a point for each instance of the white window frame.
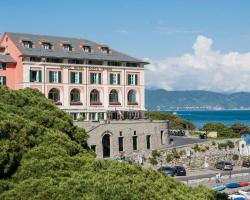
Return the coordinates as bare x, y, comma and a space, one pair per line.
46, 46
132, 79
77, 77
1, 80
37, 75
55, 76
86, 49
115, 79
96, 78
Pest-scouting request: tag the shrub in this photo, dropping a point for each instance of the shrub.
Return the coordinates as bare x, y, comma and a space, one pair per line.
152, 161
213, 143
230, 144
222, 130
156, 154
235, 157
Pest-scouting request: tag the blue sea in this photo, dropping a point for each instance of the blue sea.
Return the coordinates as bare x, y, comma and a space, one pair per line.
228, 117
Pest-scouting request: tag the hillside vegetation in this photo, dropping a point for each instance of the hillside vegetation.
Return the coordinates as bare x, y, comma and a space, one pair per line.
165, 100
175, 121
44, 156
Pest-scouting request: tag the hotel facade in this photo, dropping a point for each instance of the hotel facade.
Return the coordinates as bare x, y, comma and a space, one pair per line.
100, 87
84, 78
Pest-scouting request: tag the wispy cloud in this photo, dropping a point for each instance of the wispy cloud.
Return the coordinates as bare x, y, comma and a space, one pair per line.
169, 31
122, 31
203, 69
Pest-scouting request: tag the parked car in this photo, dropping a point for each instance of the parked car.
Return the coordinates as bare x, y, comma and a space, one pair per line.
180, 171
223, 165
246, 163
170, 171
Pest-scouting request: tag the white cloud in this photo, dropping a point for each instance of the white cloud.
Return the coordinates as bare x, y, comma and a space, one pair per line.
203, 69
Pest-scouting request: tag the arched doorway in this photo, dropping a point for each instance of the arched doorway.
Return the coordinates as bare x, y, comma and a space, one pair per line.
106, 146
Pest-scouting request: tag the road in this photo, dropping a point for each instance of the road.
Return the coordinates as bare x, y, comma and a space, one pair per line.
184, 141
207, 178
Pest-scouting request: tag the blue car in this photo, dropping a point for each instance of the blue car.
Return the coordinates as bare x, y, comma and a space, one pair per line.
169, 171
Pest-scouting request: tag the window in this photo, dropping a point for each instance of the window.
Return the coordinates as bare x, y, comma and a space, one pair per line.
74, 61
75, 97
95, 78
54, 60
47, 45
35, 59
76, 77
67, 47
132, 79
131, 64
2, 66
114, 79
120, 143
2, 80
105, 50
93, 148
55, 77
162, 137
27, 44
36, 76
95, 97
54, 94
134, 143
95, 62
113, 98
113, 63
132, 97
148, 138
86, 49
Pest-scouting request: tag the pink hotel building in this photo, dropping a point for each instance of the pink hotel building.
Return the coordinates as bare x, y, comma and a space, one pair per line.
82, 77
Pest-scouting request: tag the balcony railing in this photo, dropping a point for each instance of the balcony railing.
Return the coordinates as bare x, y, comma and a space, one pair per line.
132, 103
114, 103
76, 103
95, 103
58, 103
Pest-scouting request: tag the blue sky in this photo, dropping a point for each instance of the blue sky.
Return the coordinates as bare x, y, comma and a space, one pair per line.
157, 30
152, 29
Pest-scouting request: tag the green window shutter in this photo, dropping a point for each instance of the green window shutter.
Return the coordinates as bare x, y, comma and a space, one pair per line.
72, 77
99, 77
4, 80
136, 79
30, 75
129, 79
40, 76
80, 77
111, 76
119, 79
91, 78
50, 76
59, 77
4, 66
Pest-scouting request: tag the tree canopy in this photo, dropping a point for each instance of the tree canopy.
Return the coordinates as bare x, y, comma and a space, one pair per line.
44, 156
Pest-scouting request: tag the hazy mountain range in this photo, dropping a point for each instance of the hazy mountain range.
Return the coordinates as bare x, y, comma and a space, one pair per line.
195, 100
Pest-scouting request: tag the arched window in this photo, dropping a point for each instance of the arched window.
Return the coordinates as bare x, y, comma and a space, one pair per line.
54, 94
132, 97
113, 97
95, 97
75, 96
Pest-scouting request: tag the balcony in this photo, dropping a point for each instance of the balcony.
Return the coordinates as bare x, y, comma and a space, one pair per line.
132, 103
93, 103
115, 103
76, 103
58, 103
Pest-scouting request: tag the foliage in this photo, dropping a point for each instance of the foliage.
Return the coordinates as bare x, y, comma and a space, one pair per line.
213, 143
175, 121
240, 128
156, 154
44, 156
235, 157
152, 161
222, 130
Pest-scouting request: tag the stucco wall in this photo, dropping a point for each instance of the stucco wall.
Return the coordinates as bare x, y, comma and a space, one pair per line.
127, 129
